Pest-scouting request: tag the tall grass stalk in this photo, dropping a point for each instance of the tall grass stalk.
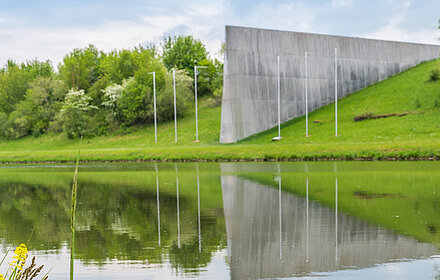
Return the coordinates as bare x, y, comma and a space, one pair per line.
72, 212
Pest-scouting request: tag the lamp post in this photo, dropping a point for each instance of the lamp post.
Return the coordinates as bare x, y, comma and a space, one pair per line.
307, 101
278, 138
336, 92
195, 94
175, 109
154, 94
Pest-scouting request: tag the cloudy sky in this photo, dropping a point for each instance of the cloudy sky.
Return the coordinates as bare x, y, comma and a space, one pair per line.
48, 29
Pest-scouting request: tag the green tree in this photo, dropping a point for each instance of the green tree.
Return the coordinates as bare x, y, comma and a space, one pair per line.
15, 80
183, 52
79, 68
117, 66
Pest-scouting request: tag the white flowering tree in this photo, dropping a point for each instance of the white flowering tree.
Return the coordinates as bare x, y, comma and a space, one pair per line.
113, 93
77, 99
76, 112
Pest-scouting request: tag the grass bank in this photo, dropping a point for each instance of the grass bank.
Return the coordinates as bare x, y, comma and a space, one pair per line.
415, 135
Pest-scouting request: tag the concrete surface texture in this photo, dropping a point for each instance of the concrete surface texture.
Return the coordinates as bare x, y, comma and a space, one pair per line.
250, 100
273, 234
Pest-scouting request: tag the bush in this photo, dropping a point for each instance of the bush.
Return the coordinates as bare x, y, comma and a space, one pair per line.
418, 104
434, 75
437, 102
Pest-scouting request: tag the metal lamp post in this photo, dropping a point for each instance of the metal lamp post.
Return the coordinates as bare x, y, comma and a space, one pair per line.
336, 92
195, 94
307, 101
154, 94
175, 109
278, 138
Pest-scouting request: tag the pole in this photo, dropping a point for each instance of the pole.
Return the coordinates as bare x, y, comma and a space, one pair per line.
279, 101
198, 210
307, 220
158, 207
178, 209
175, 109
155, 116
336, 221
279, 213
336, 92
195, 94
154, 99
307, 101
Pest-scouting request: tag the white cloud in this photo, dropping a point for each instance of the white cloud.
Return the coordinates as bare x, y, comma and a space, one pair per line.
287, 16
395, 32
23, 43
341, 3
21, 40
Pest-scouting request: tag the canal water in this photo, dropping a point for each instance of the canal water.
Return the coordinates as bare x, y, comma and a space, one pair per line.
324, 220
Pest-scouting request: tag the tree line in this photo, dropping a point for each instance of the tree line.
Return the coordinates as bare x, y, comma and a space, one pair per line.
96, 92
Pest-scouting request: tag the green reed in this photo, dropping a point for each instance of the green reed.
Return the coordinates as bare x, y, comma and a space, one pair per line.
72, 212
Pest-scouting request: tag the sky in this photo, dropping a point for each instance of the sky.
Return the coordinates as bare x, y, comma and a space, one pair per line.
49, 29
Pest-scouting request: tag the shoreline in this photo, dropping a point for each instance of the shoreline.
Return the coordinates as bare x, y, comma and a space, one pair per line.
323, 159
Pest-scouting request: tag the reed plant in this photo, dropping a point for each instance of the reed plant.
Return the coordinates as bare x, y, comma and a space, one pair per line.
72, 212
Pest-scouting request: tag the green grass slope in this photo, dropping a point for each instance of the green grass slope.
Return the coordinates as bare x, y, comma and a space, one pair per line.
415, 135
409, 92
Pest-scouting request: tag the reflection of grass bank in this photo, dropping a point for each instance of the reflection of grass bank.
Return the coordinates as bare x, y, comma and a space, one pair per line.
404, 200
413, 136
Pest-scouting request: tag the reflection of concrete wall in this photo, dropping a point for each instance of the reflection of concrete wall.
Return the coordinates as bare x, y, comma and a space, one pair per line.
253, 233
250, 73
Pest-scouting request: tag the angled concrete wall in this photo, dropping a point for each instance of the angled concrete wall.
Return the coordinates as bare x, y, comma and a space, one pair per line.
249, 102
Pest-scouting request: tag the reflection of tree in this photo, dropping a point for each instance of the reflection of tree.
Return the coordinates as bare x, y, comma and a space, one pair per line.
188, 257
113, 221
34, 208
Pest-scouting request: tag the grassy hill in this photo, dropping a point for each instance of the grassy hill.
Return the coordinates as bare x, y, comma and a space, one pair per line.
414, 135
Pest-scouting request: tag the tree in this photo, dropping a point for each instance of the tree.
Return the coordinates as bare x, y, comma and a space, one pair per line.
182, 52
79, 68
76, 114
185, 52
15, 80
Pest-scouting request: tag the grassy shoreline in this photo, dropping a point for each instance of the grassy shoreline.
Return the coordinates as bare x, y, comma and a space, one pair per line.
225, 153
413, 136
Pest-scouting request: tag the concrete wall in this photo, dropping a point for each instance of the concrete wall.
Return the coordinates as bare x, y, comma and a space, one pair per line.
264, 242
249, 102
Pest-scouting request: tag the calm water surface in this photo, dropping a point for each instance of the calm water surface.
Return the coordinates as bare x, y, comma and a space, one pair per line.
344, 220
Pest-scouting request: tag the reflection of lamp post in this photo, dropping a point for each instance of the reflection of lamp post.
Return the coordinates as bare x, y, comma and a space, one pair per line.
154, 100
278, 178
307, 219
279, 200
198, 209
336, 221
158, 209
178, 209
195, 94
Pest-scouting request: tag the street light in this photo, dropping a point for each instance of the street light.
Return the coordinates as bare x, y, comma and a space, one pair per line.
154, 93
307, 102
278, 138
336, 92
175, 109
195, 94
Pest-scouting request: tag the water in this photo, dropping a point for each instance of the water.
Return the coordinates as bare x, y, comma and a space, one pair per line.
344, 220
